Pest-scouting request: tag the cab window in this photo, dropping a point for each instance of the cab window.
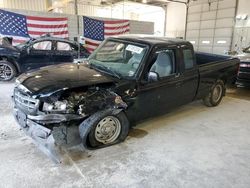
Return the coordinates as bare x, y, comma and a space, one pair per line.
188, 58
63, 46
164, 64
44, 45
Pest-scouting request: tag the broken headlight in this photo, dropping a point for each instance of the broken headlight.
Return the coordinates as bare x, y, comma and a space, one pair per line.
58, 106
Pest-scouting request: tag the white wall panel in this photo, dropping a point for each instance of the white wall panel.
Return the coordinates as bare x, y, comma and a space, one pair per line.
208, 15
207, 24
193, 33
194, 17
227, 22
227, 4
215, 25
213, 6
205, 49
195, 9
223, 32
193, 25
176, 19
226, 13
207, 33
35, 5
220, 50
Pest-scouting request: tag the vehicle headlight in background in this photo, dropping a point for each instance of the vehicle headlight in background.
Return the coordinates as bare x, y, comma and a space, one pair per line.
56, 106
244, 65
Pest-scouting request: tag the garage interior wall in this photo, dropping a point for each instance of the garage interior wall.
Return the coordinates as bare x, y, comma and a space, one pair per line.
136, 27
210, 25
176, 20
36, 5
241, 37
121, 10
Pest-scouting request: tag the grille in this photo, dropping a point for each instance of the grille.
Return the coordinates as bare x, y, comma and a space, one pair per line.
25, 102
245, 69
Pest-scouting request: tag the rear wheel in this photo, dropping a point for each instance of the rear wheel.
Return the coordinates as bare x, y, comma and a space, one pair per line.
7, 71
215, 95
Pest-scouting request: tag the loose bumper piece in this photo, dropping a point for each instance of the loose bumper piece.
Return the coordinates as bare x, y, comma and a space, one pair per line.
47, 140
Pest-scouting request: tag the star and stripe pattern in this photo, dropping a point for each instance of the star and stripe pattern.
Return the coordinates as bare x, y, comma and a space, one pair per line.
95, 31
21, 27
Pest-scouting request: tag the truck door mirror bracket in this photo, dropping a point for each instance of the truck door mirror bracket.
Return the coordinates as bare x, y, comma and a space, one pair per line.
153, 76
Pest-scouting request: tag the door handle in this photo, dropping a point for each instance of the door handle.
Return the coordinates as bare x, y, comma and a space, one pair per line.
177, 75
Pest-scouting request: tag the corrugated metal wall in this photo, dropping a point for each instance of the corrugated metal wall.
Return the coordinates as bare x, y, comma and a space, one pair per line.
35, 5
210, 25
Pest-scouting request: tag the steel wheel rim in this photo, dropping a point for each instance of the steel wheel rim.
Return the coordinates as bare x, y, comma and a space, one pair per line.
217, 92
108, 130
6, 71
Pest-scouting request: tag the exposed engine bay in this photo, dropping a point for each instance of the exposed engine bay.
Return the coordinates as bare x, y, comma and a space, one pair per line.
84, 103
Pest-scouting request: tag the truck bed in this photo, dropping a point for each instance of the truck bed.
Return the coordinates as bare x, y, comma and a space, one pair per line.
213, 66
204, 58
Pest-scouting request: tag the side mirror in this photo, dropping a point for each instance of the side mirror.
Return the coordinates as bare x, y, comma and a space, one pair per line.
153, 76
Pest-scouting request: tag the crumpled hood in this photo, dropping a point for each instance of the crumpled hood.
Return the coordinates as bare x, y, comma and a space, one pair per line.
54, 78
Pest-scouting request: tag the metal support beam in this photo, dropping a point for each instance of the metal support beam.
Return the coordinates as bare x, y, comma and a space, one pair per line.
76, 13
165, 20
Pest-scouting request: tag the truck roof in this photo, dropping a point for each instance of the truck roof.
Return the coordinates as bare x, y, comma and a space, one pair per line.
152, 40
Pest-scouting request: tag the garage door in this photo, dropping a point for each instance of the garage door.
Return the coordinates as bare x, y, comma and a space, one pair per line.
210, 25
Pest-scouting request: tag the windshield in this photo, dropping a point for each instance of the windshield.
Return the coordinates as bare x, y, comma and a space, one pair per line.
21, 45
120, 59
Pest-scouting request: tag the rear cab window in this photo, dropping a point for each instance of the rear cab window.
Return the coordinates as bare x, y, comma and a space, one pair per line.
188, 58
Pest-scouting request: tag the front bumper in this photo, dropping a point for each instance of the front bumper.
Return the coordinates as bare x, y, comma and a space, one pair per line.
48, 140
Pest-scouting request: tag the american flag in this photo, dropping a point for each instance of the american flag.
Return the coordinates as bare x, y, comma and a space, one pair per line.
95, 31
21, 28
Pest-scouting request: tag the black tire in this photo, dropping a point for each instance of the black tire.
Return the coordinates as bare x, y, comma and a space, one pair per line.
211, 100
3, 75
88, 129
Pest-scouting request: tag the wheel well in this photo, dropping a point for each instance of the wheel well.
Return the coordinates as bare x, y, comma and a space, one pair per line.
11, 61
224, 79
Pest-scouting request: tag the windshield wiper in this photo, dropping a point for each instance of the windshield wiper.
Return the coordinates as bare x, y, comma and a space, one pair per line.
107, 70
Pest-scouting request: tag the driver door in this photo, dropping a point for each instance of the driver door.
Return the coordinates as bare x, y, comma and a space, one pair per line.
160, 96
37, 55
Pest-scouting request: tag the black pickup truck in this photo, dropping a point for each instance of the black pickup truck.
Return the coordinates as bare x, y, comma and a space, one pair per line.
126, 80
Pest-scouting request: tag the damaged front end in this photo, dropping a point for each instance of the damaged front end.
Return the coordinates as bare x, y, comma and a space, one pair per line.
53, 121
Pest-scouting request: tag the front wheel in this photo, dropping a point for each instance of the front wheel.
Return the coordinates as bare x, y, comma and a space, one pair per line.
215, 95
107, 128
7, 71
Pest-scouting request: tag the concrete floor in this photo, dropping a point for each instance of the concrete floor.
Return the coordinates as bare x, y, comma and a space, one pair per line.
193, 146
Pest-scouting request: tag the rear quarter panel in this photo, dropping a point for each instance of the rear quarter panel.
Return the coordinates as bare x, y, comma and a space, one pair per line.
225, 70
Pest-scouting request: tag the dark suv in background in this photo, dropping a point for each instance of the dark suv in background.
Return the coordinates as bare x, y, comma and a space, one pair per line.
37, 53
243, 79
